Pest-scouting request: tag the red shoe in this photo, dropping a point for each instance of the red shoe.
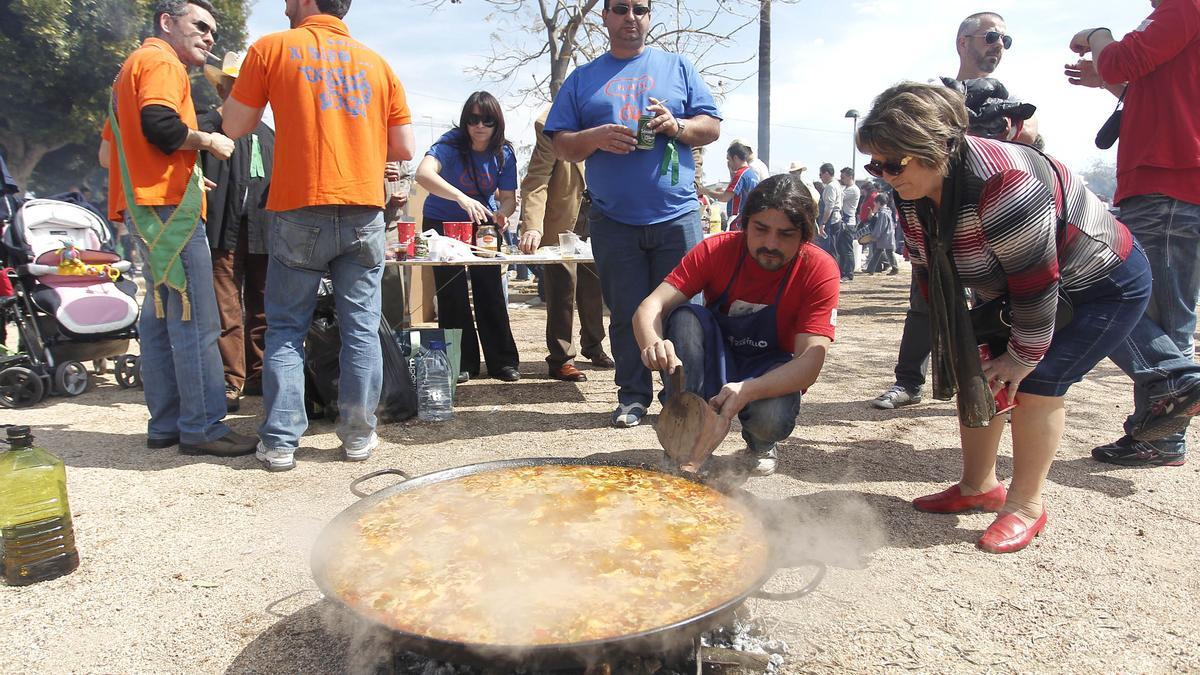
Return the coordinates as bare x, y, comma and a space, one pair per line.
1008, 533
952, 500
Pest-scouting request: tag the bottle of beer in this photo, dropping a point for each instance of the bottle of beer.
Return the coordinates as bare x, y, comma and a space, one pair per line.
37, 541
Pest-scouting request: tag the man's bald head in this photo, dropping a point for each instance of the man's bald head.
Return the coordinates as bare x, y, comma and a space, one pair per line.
976, 56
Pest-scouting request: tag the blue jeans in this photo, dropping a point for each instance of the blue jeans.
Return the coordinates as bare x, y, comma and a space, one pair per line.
348, 243
1104, 313
632, 261
764, 422
182, 372
1158, 353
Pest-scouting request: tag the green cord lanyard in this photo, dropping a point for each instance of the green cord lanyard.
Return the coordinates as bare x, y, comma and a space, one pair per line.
256, 163
670, 162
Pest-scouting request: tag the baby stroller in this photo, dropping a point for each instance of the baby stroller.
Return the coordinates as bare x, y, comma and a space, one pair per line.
71, 302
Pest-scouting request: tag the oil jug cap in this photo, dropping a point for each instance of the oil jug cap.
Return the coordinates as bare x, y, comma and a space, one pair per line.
19, 433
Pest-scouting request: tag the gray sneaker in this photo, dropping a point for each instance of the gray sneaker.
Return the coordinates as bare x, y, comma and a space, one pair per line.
276, 460
759, 463
363, 453
896, 397
626, 416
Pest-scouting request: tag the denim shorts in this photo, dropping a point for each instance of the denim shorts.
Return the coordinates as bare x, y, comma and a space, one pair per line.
1105, 313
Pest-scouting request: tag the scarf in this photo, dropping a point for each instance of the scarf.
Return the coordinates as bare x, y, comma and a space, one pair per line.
164, 241
955, 355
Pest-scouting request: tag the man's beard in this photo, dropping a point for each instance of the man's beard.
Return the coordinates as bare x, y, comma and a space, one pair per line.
771, 255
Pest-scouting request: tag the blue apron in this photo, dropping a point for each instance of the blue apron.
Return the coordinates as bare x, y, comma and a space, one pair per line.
739, 347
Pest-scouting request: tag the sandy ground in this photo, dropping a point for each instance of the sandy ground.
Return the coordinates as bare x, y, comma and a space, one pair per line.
201, 565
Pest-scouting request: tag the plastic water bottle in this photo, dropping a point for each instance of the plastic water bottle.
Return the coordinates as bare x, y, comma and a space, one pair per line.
37, 541
434, 396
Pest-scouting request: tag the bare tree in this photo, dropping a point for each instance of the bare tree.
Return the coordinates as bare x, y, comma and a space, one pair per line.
569, 32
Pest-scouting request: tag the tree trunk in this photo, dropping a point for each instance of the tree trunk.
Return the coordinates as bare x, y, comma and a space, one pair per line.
763, 151
23, 157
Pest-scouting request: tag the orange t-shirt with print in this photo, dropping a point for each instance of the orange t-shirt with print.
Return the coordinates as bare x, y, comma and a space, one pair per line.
333, 100
152, 75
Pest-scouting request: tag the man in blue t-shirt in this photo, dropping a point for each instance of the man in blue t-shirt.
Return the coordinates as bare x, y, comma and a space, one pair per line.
645, 214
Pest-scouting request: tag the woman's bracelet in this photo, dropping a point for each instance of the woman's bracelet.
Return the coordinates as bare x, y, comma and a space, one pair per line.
1093, 32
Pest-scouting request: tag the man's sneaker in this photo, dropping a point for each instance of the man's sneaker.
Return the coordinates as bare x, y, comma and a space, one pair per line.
626, 416
896, 397
275, 460
233, 398
759, 463
363, 453
1169, 414
1126, 451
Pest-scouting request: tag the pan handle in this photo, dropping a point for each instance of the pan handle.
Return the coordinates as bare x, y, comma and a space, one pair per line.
374, 474
795, 595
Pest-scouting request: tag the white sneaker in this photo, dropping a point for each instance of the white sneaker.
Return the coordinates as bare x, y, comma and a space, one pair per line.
363, 453
626, 416
760, 463
895, 397
275, 460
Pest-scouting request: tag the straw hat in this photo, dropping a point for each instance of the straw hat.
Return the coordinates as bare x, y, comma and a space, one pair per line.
796, 166
231, 66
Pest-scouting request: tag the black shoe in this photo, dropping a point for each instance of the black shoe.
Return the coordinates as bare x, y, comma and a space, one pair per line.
231, 444
160, 443
464, 377
252, 388
1170, 414
1126, 451
507, 374
602, 360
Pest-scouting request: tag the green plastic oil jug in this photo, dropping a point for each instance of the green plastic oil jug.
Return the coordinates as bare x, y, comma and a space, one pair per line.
37, 541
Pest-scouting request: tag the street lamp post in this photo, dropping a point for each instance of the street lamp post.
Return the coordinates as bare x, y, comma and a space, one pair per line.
853, 114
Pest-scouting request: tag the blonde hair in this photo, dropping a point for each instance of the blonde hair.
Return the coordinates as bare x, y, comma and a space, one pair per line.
924, 121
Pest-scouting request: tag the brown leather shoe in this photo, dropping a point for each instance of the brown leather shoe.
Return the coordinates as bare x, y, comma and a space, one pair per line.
602, 360
231, 444
567, 372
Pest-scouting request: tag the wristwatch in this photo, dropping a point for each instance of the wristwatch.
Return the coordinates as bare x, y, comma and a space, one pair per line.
681, 125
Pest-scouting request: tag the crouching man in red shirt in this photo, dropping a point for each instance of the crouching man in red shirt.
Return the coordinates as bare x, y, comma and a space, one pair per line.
770, 305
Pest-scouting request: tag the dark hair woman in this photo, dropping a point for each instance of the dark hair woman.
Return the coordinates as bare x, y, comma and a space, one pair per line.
471, 175
1006, 222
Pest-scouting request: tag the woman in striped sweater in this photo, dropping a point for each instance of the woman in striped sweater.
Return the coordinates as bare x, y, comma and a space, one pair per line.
1004, 221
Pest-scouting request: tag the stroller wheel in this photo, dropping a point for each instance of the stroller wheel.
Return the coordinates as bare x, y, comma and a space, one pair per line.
71, 378
20, 387
125, 371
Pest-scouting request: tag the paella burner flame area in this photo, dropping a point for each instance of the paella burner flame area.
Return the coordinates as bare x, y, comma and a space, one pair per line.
552, 566
742, 647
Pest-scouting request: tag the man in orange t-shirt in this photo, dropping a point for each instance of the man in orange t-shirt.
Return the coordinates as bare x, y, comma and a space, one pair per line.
152, 105
340, 115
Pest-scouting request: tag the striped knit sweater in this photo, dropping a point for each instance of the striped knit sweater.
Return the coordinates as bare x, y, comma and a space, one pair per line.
1005, 238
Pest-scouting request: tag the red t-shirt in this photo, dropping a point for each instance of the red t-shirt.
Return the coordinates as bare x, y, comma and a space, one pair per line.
809, 301
1159, 152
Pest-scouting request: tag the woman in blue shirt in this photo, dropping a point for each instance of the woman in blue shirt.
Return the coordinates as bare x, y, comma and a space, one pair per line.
471, 175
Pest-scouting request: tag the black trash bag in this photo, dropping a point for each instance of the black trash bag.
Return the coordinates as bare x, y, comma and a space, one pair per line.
322, 351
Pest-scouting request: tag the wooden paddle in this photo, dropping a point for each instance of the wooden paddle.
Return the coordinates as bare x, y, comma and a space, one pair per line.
688, 429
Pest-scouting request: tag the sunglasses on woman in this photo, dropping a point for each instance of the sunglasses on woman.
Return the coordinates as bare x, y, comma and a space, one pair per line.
486, 121
992, 36
638, 10
877, 168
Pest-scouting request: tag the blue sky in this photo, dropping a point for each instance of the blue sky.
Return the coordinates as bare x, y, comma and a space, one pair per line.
828, 57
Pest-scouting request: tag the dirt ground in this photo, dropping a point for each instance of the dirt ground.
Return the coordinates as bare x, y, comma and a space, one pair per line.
201, 565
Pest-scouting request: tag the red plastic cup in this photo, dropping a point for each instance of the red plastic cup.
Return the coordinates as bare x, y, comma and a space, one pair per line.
459, 231
1003, 405
406, 234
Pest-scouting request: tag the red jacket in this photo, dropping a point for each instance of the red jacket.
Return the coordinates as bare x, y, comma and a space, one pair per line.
1159, 152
